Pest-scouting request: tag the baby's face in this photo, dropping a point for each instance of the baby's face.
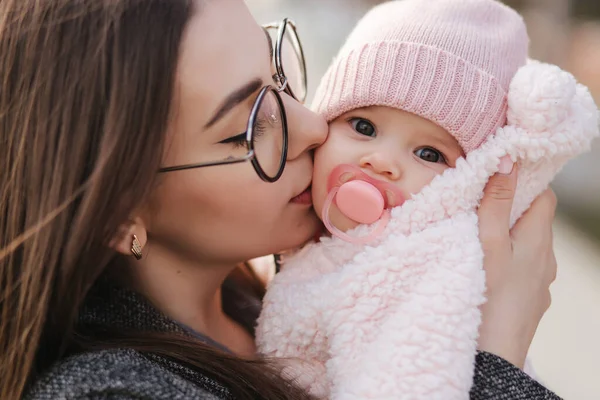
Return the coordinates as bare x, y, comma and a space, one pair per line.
387, 144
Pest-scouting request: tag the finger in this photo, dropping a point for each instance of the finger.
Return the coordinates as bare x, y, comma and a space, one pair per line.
494, 211
537, 220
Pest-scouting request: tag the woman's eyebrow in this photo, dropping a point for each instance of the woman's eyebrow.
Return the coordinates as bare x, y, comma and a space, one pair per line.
236, 97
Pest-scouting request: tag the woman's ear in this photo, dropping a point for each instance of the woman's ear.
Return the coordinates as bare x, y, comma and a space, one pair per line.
131, 238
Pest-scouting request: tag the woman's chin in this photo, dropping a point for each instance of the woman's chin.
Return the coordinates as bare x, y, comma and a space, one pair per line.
307, 229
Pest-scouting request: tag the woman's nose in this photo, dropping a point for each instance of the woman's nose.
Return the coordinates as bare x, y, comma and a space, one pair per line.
383, 164
306, 129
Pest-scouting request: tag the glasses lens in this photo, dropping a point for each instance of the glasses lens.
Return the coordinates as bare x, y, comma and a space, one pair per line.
292, 62
268, 135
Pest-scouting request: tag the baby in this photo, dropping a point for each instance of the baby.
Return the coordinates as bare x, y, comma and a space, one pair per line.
423, 100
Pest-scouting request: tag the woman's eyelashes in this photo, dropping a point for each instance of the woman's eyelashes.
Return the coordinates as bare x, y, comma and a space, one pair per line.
237, 140
241, 140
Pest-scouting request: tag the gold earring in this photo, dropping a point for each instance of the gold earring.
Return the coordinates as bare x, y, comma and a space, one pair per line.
136, 248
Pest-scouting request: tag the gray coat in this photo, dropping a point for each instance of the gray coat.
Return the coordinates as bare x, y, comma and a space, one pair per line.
125, 374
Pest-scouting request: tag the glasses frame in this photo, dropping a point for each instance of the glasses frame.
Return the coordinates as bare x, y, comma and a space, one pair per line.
251, 155
281, 30
283, 86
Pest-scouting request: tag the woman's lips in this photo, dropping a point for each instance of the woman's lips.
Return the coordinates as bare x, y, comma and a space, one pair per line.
303, 198
345, 172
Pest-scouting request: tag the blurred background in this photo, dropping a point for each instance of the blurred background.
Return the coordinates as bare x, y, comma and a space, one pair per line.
566, 350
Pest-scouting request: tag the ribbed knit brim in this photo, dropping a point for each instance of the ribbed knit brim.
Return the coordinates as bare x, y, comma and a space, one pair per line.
449, 73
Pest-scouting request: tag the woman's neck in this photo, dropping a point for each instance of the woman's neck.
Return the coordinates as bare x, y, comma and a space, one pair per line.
185, 291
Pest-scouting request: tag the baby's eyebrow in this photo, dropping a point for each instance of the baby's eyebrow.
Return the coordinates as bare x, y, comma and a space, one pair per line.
447, 141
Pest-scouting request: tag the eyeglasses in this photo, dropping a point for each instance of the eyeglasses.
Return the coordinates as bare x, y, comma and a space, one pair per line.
266, 138
288, 51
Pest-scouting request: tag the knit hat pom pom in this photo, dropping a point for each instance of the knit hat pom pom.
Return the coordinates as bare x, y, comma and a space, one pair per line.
540, 97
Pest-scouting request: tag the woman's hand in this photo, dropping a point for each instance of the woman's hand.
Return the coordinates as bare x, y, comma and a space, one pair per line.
520, 266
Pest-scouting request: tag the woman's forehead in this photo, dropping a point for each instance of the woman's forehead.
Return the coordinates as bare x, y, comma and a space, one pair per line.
223, 49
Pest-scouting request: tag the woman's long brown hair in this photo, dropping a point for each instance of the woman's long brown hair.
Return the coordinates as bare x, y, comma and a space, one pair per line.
85, 94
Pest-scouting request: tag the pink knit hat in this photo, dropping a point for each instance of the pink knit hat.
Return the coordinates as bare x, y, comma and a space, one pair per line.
450, 61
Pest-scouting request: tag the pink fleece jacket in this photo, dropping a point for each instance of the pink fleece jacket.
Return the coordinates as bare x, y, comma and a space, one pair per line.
398, 318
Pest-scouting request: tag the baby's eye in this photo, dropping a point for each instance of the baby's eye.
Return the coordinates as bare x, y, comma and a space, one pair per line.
363, 126
430, 154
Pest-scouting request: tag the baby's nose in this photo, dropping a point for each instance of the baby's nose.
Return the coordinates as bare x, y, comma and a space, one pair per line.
382, 164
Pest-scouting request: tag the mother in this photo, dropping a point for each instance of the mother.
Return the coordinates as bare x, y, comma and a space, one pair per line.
99, 95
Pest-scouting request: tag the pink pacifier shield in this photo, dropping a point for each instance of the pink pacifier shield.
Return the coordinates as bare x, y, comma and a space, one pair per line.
360, 198
360, 201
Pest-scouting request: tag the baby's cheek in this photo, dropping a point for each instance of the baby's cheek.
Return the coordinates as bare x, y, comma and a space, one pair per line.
335, 151
319, 186
423, 177
327, 157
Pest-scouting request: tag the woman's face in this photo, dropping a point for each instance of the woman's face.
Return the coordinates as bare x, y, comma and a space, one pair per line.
224, 214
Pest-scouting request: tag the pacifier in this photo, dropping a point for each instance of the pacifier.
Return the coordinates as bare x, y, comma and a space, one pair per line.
360, 198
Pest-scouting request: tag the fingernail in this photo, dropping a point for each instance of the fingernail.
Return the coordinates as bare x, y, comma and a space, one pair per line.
506, 165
